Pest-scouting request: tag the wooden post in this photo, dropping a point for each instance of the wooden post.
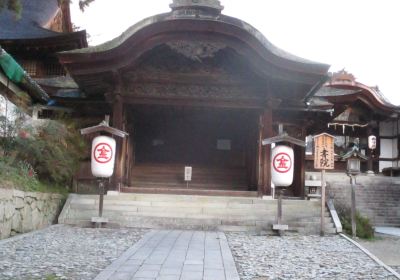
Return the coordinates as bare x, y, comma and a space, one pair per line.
259, 157
101, 192
353, 208
322, 202
370, 167
118, 122
279, 219
299, 175
267, 132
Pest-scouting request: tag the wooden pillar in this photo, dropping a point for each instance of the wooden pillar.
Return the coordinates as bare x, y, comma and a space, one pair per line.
118, 122
259, 157
369, 152
264, 154
299, 176
300, 169
267, 133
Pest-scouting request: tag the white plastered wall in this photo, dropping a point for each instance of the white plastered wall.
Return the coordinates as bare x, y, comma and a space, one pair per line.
388, 147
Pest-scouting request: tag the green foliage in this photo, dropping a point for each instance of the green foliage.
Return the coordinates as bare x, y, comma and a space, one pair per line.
53, 149
38, 153
49, 277
12, 5
364, 228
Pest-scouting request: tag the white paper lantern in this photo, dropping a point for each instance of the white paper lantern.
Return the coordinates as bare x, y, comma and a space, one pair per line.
103, 156
282, 161
372, 142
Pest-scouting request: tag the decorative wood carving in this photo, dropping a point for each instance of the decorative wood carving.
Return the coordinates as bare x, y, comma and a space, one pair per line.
196, 50
192, 91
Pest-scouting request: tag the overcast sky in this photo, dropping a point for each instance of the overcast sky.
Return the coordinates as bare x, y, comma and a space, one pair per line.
362, 36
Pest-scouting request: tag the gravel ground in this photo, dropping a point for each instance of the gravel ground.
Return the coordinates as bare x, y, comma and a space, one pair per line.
386, 248
64, 252
397, 268
301, 257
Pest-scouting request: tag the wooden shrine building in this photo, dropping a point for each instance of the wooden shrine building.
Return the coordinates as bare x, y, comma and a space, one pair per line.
194, 87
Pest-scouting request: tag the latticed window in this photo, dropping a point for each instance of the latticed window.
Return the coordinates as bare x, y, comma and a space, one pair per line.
53, 69
31, 67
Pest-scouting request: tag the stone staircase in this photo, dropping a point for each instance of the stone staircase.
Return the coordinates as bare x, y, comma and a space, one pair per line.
194, 212
377, 197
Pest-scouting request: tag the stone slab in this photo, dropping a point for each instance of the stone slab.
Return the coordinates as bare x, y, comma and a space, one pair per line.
175, 254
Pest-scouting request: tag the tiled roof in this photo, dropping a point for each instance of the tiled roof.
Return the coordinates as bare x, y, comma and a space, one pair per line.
35, 14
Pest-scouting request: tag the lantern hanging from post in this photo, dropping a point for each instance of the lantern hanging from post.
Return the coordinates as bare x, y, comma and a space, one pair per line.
282, 166
282, 159
372, 142
353, 157
103, 156
103, 159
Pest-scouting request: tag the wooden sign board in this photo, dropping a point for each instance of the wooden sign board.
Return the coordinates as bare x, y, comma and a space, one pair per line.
324, 156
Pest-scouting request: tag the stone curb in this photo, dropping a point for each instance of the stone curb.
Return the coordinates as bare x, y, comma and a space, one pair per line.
372, 256
23, 235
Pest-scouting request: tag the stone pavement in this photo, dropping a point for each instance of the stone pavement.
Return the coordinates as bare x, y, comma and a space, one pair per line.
386, 246
395, 231
175, 255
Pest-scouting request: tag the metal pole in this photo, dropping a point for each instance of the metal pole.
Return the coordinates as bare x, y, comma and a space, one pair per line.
101, 191
322, 230
353, 208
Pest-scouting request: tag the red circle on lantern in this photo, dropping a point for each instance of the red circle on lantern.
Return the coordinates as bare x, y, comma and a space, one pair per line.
282, 164
102, 155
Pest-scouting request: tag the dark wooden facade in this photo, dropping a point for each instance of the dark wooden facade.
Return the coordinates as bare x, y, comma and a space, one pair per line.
195, 87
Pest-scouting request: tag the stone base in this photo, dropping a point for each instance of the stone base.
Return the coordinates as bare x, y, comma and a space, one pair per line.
280, 227
370, 173
113, 193
100, 220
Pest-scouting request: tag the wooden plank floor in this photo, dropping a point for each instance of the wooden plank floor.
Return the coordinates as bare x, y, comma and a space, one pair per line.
164, 178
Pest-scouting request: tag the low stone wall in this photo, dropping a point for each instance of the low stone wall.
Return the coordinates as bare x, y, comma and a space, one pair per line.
22, 212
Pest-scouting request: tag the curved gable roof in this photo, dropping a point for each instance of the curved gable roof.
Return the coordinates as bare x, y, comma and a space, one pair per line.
348, 90
158, 29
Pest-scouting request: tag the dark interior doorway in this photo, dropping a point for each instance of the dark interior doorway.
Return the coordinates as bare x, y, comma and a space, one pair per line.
191, 136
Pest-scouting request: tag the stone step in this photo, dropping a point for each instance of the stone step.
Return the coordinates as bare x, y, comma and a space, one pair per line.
192, 212
207, 224
213, 209
202, 212
132, 198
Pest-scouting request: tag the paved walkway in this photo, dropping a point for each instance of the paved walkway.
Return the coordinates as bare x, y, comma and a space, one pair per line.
386, 246
175, 255
395, 231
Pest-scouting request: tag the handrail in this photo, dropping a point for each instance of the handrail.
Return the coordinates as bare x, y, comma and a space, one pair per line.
334, 215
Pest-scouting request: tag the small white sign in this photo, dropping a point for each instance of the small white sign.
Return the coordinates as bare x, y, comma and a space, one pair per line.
372, 142
188, 173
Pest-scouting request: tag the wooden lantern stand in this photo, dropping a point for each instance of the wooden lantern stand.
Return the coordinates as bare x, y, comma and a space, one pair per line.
102, 128
282, 137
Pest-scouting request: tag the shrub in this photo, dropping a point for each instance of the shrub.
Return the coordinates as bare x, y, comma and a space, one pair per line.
53, 149
364, 228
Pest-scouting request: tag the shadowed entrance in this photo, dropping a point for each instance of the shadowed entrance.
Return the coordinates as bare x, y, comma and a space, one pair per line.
220, 145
